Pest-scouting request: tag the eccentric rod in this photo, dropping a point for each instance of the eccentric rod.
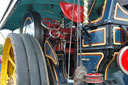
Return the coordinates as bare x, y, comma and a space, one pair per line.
86, 18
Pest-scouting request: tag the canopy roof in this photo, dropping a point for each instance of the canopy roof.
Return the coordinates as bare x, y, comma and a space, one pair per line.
46, 8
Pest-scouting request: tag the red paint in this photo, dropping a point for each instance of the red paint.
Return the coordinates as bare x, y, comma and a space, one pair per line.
59, 34
67, 10
50, 23
72, 50
94, 78
93, 74
124, 60
56, 34
66, 33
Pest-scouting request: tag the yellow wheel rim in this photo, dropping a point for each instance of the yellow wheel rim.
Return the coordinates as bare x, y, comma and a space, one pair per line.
8, 68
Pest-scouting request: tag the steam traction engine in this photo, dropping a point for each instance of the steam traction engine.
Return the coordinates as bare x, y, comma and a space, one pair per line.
67, 44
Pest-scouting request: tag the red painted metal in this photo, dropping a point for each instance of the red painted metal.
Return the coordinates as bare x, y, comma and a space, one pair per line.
73, 50
50, 23
67, 9
94, 78
65, 34
122, 59
56, 34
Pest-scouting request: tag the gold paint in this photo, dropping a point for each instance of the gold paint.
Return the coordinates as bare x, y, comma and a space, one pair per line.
97, 44
120, 18
106, 70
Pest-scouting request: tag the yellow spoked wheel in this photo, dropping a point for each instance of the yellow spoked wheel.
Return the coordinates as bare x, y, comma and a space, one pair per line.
23, 62
8, 71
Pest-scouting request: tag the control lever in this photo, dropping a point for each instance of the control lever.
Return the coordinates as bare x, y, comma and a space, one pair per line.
84, 30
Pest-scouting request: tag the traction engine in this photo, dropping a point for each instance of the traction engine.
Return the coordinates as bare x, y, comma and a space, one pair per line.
67, 43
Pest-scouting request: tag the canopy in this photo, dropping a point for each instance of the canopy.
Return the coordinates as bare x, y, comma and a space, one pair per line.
15, 10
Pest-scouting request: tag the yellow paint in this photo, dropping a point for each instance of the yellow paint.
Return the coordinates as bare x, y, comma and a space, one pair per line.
55, 74
94, 53
120, 18
55, 71
106, 70
8, 64
114, 36
55, 61
103, 12
60, 54
51, 71
28, 18
91, 7
99, 29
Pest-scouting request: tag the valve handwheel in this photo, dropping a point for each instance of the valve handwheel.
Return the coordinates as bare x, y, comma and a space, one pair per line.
54, 33
49, 23
53, 27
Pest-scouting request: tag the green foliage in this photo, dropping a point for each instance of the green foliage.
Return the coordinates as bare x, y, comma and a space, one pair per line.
1, 49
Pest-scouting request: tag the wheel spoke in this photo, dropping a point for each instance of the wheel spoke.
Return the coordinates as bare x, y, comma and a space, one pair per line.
8, 65
45, 22
11, 61
14, 71
9, 47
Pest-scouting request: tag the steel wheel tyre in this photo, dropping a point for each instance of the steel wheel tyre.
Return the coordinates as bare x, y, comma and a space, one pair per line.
23, 62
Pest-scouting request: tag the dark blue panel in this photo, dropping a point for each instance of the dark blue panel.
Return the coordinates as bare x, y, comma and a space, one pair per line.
125, 79
113, 68
29, 20
120, 36
115, 72
50, 52
90, 3
92, 63
60, 74
121, 14
97, 37
106, 14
